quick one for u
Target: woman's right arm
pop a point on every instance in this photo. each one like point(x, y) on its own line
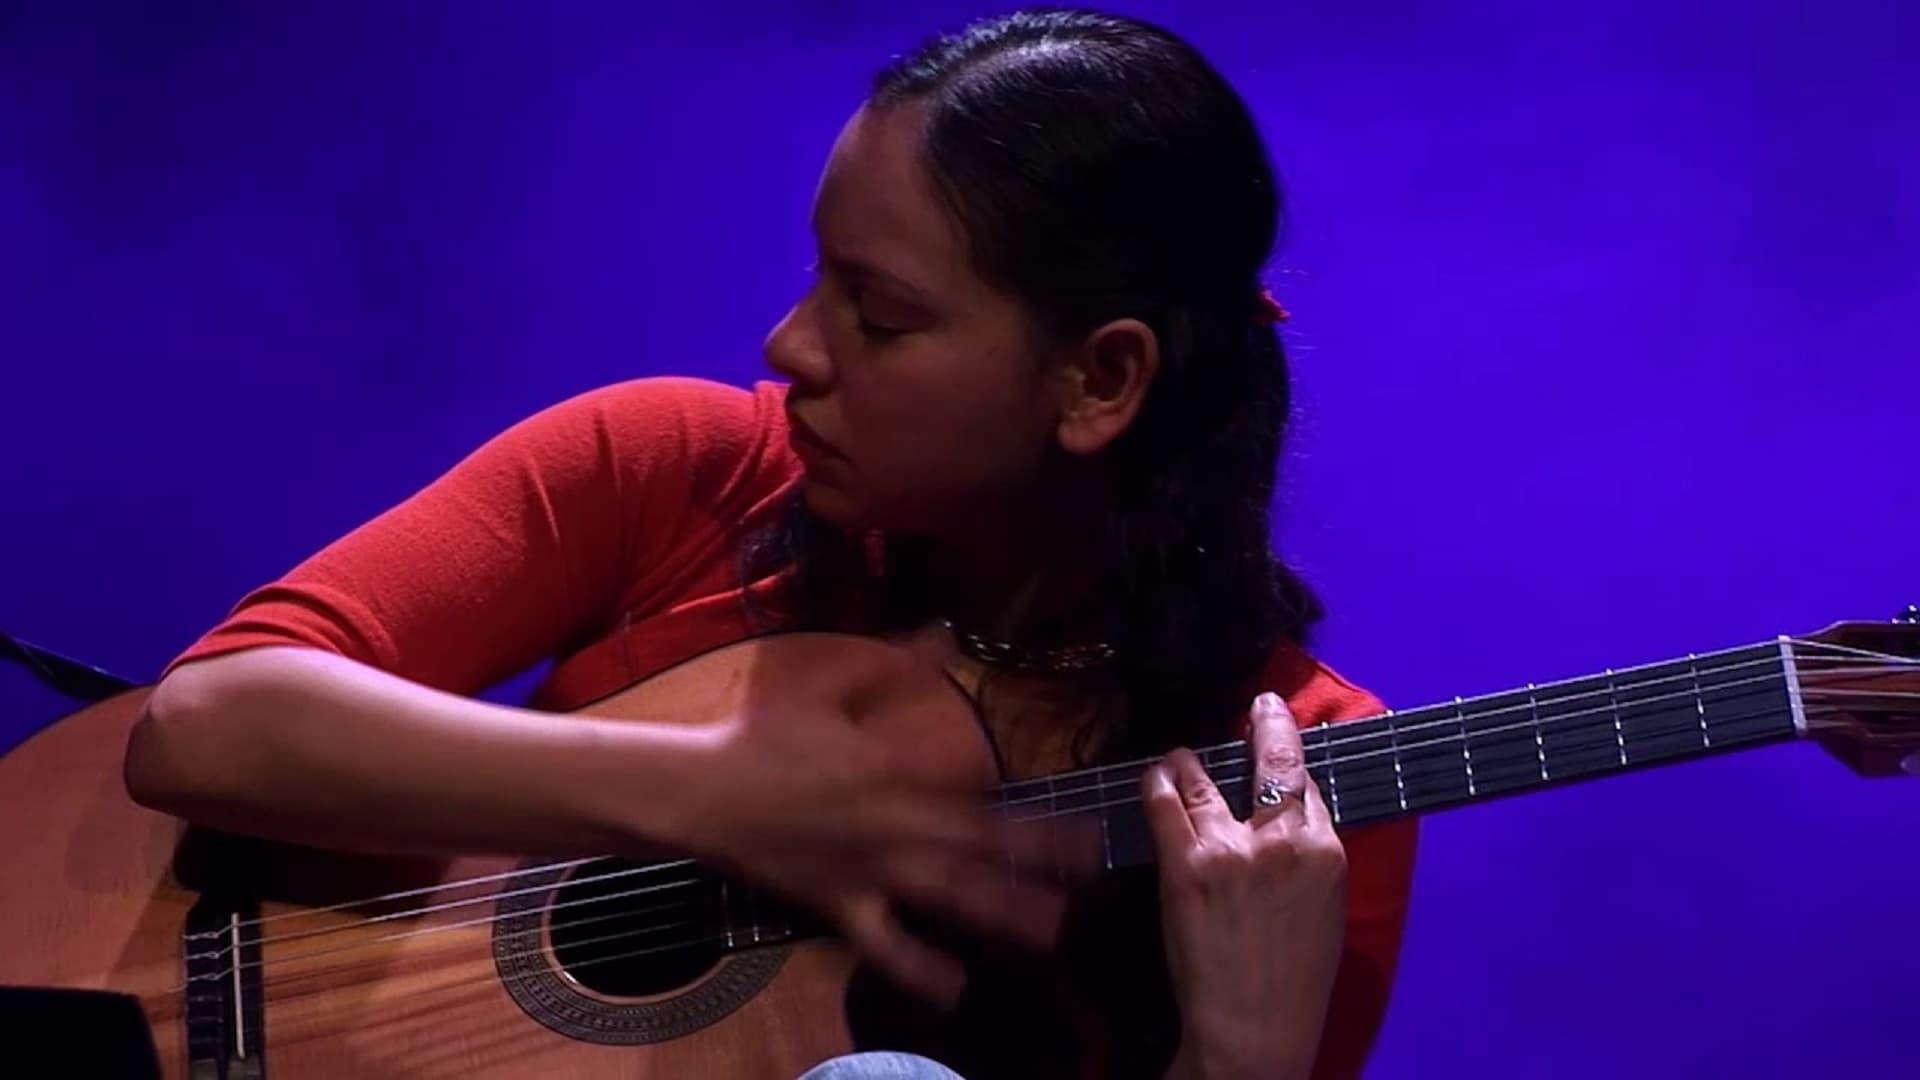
point(300, 745)
point(330, 707)
point(310, 747)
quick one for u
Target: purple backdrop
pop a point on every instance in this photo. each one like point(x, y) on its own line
point(1604, 332)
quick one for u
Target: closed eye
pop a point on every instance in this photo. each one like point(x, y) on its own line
point(876, 332)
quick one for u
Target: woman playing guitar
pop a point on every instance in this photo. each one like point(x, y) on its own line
point(1025, 440)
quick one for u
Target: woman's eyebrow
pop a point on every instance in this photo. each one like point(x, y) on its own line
point(866, 271)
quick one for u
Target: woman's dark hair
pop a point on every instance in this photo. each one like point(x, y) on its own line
point(1102, 169)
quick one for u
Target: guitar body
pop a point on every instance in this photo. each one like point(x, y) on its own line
point(101, 894)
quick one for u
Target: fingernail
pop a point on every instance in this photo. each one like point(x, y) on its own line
point(1268, 704)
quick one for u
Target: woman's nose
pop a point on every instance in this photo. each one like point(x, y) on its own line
point(796, 351)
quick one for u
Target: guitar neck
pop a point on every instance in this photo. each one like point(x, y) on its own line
point(1403, 763)
point(1473, 749)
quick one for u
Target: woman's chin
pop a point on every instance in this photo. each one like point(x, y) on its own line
point(834, 506)
point(853, 510)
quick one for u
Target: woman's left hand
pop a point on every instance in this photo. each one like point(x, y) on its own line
point(1253, 911)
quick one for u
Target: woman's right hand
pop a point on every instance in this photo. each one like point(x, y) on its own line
point(807, 800)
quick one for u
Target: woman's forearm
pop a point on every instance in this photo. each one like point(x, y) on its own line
point(299, 745)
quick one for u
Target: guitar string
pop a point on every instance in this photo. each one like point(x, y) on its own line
point(483, 879)
point(1325, 737)
point(687, 942)
point(1332, 737)
point(1227, 779)
point(1898, 695)
point(652, 927)
point(403, 935)
point(1098, 786)
point(1224, 781)
point(1851, 650)
point(1343, 733)
point(1099, 789)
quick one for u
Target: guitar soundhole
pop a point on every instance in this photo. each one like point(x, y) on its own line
point(622, 954)
point(618, 929)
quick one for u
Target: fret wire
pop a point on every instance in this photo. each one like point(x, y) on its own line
point(1539, 743)
point(1699, 701)
point(1333, 778)
point(1399, 777)
point(1619, 734)
point(1466, 747)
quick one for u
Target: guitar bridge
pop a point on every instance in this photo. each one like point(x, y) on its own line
point(225, 1003)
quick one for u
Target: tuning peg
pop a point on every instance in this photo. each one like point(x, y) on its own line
point(1911, 615)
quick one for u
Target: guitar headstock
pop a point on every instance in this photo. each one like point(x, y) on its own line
point(1860, 687)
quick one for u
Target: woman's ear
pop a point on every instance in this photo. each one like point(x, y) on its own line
point(1105, 383)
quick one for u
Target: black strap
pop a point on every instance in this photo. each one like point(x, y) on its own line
point(83, 682)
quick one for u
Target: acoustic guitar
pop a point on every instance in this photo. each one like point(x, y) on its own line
point(246, 959)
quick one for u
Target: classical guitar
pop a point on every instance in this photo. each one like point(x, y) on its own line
point(247, 959)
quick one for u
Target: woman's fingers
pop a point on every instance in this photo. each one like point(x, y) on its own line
point(1166, 815)
point(982, 894)
point(1032, 843)
point(1280, 782)
point(1318, 818)
point(1204, 806)
point(912, 963)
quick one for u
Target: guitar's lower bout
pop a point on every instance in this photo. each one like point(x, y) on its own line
point(575, 948)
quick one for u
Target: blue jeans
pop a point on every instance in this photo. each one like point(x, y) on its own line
point(880, 1065)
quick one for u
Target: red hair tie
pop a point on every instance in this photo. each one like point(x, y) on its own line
point(1268, 310)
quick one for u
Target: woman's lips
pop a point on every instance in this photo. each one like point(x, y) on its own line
point(807, 442)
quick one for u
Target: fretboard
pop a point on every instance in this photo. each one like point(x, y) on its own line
point(1472, 749)
point(1401, 763)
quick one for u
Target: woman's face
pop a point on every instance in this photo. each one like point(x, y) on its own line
point(921, 399)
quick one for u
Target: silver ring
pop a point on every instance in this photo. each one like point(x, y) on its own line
point(1274, 792)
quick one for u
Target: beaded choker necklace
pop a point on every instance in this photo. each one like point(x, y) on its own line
point(1065, 659)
